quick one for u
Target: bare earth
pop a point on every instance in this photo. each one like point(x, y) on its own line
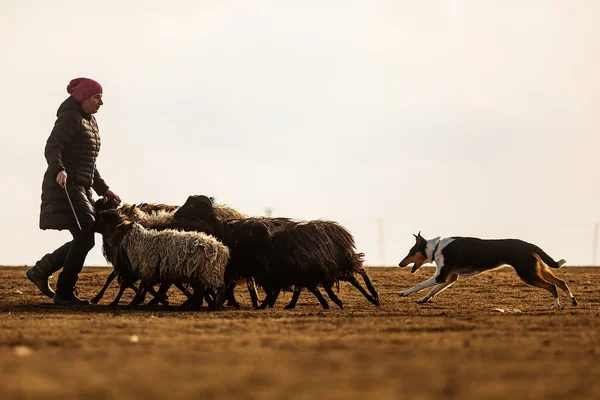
point(456, 347)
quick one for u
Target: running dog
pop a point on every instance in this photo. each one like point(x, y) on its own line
point(467, 256)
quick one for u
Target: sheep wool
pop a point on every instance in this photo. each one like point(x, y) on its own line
point(158, 218)
point(176, 255)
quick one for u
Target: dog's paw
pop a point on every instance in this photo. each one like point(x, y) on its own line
point(557, 307)
point(574, 301)
point(423, 300)
point(403, 294)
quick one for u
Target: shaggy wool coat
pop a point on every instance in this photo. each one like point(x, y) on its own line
point(72, 147)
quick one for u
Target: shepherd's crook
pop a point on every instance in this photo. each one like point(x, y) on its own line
point(72, 208)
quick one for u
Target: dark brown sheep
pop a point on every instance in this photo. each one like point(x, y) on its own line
point(280, 253)
point(310, 255)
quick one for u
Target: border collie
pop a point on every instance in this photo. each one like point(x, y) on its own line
point(467, 256)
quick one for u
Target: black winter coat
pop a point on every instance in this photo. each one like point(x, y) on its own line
point(73, 147)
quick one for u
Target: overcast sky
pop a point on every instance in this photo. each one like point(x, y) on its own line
point(451, 117)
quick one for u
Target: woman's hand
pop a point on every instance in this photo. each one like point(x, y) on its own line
point(113, 196)
point(61, 179)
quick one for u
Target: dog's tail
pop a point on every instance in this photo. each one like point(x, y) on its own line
point(549, 260)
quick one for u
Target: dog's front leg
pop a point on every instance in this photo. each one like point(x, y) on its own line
point(438, 288)
point(423, 285)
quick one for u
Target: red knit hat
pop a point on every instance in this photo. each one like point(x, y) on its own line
point(83, 88)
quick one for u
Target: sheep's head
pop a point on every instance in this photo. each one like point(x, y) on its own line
point(198, 206)
point(112, 226)
point(416, 254)
point(198, 213)
point(104, 203)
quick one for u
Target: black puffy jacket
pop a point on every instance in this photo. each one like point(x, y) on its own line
point(73, 147)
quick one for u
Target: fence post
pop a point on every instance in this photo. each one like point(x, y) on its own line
point(381, 242)
point(595, 249)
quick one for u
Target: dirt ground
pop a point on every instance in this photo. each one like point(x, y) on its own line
point(457, 347)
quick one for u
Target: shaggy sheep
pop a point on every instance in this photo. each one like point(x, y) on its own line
point(199, 209)
point(149, 214)
point(280, 253)
point(168, 255)
point(152, 216)
point(312, 254)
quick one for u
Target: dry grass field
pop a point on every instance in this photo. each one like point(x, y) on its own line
point(457, 347)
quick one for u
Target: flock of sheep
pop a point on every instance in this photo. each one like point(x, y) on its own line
point(205, 249)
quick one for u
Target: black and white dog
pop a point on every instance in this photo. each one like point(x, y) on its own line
point(467, 256)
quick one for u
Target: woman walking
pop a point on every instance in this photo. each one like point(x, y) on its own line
point(71, 152)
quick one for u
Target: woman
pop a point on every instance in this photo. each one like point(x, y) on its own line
point(71, 152)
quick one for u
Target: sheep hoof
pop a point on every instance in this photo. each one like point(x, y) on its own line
point(574, 301)
point(234, 304)
point(289, 307)
point(94, 301)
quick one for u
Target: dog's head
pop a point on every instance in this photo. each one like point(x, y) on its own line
point(416, 254)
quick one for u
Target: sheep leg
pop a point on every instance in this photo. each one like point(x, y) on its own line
point(219, 299)
point(357, 285)
point(188, 303)
point(269, 291)
point(162, 297)
point(319, 296)
point(140, 296)
point(133, 287)
point(334, 297)
point(209, 296)
point(197, 299)
point(100, 294)
point(370, 286)
point(253, 292)
point(265, 303)
point(270, 299)
point(229, 295)
point(162, 293)
point(295, 296)
point(183, 289)
point(115, 302)
point(274, 297)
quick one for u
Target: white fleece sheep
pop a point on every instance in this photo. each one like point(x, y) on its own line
point(155, 219)
point(176, 255)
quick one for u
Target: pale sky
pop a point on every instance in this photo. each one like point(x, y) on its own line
point(475, 118)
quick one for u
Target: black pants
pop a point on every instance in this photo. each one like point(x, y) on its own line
point(71, 257)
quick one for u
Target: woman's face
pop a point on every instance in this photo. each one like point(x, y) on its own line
point(92, 104)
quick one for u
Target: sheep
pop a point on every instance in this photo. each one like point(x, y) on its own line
point(149, 214)
point(168, 255)
point(280, 253)
point(311, 254)
point(199, 209)
point(152, 216)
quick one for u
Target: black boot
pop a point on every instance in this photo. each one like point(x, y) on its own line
point(69, 300)
point(65, 295)
point(39, 274)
